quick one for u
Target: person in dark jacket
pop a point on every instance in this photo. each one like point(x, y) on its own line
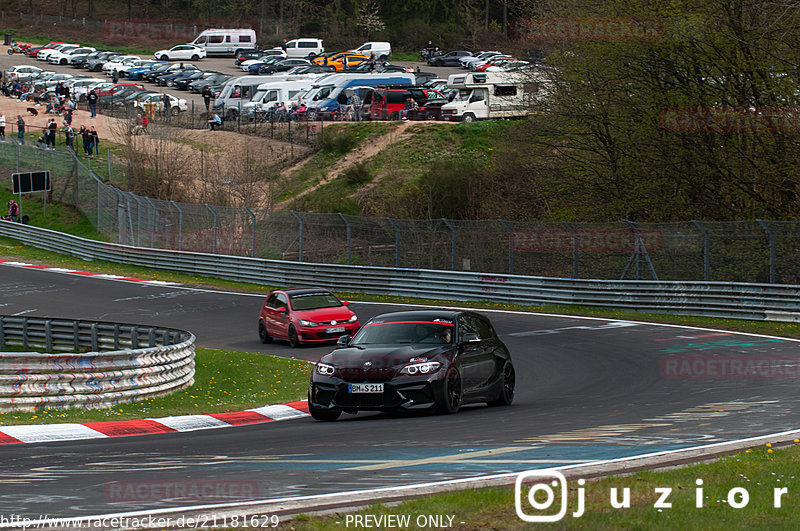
point(91, 99)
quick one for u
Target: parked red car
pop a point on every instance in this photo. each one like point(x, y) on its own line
point(386, 103)
point(305, 315)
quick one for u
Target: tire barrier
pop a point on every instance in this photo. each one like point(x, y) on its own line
point(61, 363)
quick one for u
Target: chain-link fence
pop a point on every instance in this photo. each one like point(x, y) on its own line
point(743, 251)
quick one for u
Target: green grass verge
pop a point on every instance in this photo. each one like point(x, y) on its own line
point(759, 471)
point(224, 381)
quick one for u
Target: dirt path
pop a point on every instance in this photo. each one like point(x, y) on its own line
point(362, 153)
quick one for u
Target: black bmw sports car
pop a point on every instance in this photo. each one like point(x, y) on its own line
point(435, 360)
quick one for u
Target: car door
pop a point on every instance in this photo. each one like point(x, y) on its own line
point(271, 314)
point(486, 363)
point(280, 319)
point(470, 350)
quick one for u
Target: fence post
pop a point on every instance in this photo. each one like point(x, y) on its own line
point(574, 234)
point(99, 203)
point(108, 163)
point(180, 225)
point(300, 243)
point(347, 224)
point(215, 227)
point(453, 243)
point(253, 220)
point(706, 249)
point(396, 242)
point(154, 209)
point(771, 250)
point(511, 244)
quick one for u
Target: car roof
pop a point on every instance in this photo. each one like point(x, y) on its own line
point(303, 291)
point(417, 315)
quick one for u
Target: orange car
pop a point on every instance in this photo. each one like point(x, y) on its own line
point(341, 60)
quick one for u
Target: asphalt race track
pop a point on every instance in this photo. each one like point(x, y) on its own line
point(587, 389)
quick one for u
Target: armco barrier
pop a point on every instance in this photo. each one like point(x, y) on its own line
point(89, 364)
point(714, 299)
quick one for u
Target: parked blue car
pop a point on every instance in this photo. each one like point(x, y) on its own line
point(139, 72)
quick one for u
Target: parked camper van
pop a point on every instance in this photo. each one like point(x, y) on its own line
point(240, 90)
point(226, 41)
point(321, 99)
point(268, 94)
point(494, 95)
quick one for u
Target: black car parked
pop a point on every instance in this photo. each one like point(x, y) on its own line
point(423, 360)
point(96, 64)
point(451, 58)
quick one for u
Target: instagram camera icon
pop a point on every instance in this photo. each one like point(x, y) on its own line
point(541, 495)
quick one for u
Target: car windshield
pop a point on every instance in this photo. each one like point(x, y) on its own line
point(313, 301)
point(393, 332)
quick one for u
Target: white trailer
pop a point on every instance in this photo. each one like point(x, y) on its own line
point(483, 96)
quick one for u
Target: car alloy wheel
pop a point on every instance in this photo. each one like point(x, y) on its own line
point(452, 392)
point(506, 395)
point(195, 57)
point(294, 341)
point(263, 335)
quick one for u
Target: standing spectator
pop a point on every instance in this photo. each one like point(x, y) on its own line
point(91, 99)
point(372, 61)
point(283, 45)
point(114, 76)
point(341, 99)
point(207, 96)
point(69, 136)
point(3, 126)
point(50, 137)
point(13, 211)
point(68, 116)
point(95, 141)
point(167, 103)
point(20, 129)
point(84, 134)
point(355, 103)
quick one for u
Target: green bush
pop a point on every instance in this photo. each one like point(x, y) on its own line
point(357, 174)
point(338, 140)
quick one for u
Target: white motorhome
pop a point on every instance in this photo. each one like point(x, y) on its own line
point(226, 41)
point(240, 90)
point(268, 94)
point(482, 96)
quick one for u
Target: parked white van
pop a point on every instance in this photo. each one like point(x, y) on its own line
point(382, 50)
point(268, 94)
point(240, 90)
point(303, 48)
point(226, 41)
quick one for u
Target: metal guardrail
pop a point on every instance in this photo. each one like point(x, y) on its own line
point(89, 364)
point(712, 299)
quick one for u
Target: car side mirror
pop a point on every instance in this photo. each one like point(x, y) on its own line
point(470, 337)
point(282, 309)
point(343, 341)
point(346, 303)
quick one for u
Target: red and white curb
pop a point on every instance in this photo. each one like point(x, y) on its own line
point(88, 273)
point(39, 433)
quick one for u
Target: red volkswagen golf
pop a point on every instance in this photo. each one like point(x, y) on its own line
point(305, 315)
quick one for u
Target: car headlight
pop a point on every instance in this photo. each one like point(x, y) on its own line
point(353, 319)
point(303, 322)
point(325, 369)
point(428, 367)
